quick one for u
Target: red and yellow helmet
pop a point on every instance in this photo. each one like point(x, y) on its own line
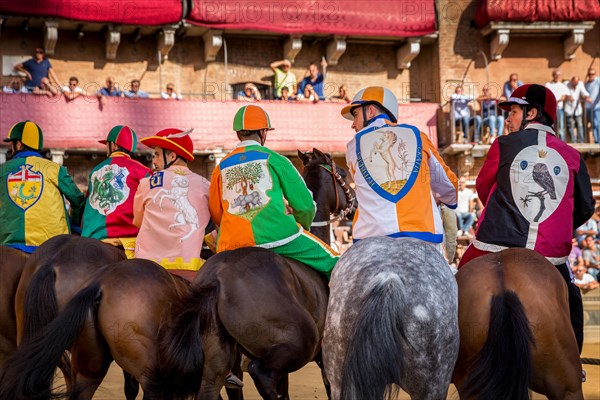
point(174, 140)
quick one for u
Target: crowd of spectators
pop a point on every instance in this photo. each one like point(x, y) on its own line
point(578, 109)
point(585, 254)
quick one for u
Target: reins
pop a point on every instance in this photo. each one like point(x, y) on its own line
point(337, 178)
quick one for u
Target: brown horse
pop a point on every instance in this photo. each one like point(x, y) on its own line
point(515, 331)
point(117, 316)
point(11, 265)
point(270, 308)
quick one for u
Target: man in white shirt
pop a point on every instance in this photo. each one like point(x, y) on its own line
point(573, 109)
point(464, 208)
point(561, 91)
point(592, 107)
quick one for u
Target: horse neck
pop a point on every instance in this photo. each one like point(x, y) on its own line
point(320, 183)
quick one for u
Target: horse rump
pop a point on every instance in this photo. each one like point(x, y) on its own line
point(28, 374)
point(374, 359)
point(502, 369)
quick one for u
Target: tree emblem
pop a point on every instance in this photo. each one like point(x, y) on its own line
point(243, 177)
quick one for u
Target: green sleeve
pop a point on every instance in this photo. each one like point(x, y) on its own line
point(69, 189)
point(294, 190)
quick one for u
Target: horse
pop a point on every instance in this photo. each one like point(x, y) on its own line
point(51, 277)
point(391, 321)
point(117, 316)
point(252, 300)
point(12, 262)
point(515, 329)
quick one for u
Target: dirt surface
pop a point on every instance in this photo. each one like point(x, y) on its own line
point(306, 384)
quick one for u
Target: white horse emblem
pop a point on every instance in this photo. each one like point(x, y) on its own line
point(186, 214)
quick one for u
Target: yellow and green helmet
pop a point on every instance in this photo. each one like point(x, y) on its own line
point(28, 133)
point(251, 118)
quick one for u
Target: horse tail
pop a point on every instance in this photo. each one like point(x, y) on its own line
point(181, 356)
point(28, 373)
point(374, 359)
point(503, 368)
point(40, 304)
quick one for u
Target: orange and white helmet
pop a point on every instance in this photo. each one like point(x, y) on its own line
point(379, 95)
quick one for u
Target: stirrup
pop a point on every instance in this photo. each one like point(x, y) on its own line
point(583, 375)
point(233, 382)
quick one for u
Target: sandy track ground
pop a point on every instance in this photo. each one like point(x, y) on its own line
point(306, 384)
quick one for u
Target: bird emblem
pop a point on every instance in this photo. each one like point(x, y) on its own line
point(542, 177)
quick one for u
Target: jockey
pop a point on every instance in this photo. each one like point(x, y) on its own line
point(108, 214)
point(248, 190)
point(171, 206)
point(535, 188)
point(32, 206)
point(398, 172)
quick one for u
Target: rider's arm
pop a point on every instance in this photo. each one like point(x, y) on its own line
point(214, 198)
point(69, 189)
point(487, 175)
point(443, 180)
point(583, 197)
point(294, 190)
point(138, 202)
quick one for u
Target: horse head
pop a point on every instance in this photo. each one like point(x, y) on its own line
point(330, 191)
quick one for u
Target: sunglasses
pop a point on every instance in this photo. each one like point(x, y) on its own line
point(169, 88)
point(39, 52)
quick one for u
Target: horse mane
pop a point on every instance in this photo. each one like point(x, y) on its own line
point(317, 157)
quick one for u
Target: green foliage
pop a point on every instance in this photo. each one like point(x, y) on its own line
point(250, 172)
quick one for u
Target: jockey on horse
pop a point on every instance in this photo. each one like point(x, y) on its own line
point(108, 214)
point(536, 190)
point(171, 206)
point(404, 206)
point(248, 190)
point(32, 193)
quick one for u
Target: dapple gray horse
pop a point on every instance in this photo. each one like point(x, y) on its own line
point(392, 318)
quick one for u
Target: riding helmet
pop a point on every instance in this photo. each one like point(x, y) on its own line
point(28, 133)
point(174, 140)
point(374, 95)
point(251, 118)
point(123, 136)
point(533, 94)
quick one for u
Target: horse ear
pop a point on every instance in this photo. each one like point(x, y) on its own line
point(305, 158)
point(319, 154)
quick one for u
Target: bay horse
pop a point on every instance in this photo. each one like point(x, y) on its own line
point(391, 321)
point(270, 308)
point(117, 316)
point(12, 262)
point(515, 329)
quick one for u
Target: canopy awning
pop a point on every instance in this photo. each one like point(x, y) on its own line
point(536, 10)
point(387, 18)
point(134, 12)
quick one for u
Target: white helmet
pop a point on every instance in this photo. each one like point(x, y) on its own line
point(374, 95)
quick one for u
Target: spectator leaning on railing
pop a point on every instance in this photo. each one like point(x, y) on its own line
point(573, 108)
point(72, 90)
point(38, 70)
point(170, 93)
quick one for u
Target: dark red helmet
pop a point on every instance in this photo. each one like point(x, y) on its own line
point(533, 94)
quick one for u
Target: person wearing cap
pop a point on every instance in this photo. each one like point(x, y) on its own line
point(248, 193)
point(171, 206)
point(535, 188)
point(108, 214)
point(32, 192)
point(284, 78)
point(398, 172)
point(249, 94)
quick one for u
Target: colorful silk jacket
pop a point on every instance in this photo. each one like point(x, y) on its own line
point(171, 210)
point(248, 190)
point(398, 175)
point(32, 207)
point(109, 204)
point(536, 190)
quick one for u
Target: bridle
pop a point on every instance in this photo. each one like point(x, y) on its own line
point(337, 178)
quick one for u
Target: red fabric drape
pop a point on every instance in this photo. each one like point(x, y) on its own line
point(536, 10)
point(341, 17)
point(135, 12)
